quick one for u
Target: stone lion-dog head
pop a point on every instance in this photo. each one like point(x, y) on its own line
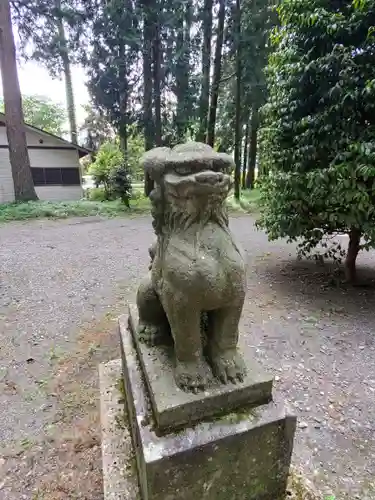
point(192, 182)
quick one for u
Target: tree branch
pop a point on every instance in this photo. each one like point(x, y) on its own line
point(226, 78)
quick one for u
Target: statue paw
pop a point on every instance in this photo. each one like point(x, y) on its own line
point(228, 366)
point(152, 335)
point(193, 376)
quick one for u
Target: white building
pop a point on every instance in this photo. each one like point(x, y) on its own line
point(54, 165)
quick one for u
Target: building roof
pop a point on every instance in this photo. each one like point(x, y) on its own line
point(81, 150)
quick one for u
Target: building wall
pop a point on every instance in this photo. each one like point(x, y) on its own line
point(6, 179)
point(59, 193)
point(45, 156)
point(54, 158)
point(34, 138)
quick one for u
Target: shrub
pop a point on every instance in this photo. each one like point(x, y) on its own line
point(137, 194)
point(120, 183)
point(97, 194)
point(108, 158)
point(318, 133)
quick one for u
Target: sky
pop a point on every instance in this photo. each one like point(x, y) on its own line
point(35, 80)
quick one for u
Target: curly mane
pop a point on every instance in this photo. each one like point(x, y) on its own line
point(169, 216)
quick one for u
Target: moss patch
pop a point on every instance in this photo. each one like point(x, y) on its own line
point(299, 488)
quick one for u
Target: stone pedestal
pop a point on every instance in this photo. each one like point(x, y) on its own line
point(235, 454)
point(173, 408)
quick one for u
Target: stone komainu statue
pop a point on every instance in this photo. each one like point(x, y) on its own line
point(197, 271)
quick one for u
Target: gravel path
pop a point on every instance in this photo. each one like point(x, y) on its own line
point(316, 337)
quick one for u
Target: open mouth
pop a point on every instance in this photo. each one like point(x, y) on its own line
point(213, 181)
point(204, 183)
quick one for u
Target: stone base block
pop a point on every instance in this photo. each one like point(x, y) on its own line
point(244, 455)
point(174, 408)
point(119, 469)
point(120, 480)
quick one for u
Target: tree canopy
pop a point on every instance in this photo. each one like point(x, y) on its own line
point(165, 66)
point(112, 62)
point(53, 33)
point(149, 64)
point(43, 113)
point(319, 130)
point(96, 128)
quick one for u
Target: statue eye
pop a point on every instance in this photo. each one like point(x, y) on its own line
point(183, 170)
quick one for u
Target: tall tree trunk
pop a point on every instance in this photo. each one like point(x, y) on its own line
point(183, 42)
point(180, 76)
point(351, 256)
point(250, 177)
point(245, 154)
point(238, 134)
point(147, 87)
point(123, 135)
point(187, 54)
point(123, 129)
point(67, 74)
point(217, 75)
point(123, 100)
point(18, 154)
point(204, 100)
point(156, 52)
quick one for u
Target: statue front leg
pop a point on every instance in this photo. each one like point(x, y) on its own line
point(153, 328)
point(225, 360)
point(191, 370)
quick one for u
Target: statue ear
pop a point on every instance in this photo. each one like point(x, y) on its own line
point(155, 195)
point(153, 162)
point(148, 189)
point(157, 212)
point(152, 250)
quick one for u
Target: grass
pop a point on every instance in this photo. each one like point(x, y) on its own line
point(248, 203)
point(84, 208)
point(63, 210)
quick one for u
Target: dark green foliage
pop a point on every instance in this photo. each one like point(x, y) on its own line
point(319, 130)
point(37, 27)
point(182, 68)
point(148, 64)
point(112, 76)
point(204, 98)
point(257, 19)
point(120, 182)
point(96, 128)
point(114, 171)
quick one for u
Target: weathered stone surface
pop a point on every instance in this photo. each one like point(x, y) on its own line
point(197, 269)
point(172, 407)
point(120, 480)
point(191, 156)
point(242, 456)
point(119, 471)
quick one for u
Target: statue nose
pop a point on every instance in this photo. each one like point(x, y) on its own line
point(209, 177)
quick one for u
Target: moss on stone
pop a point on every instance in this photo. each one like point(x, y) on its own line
point(121, 420)
point(299, 488)
point(234, 417)
point(120, 386)
point(238, 416)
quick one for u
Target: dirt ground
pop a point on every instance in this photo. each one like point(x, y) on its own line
point(62, 285)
